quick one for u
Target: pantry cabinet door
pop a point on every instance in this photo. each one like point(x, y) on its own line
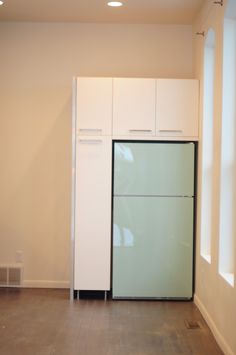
point(93, 213)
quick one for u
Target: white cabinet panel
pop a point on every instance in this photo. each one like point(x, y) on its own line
point(93, 213)
point(134, 106)
point(94, 106)
point(177, 107)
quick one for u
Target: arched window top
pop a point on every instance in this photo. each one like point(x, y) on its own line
point(210, 39)
point(230, 12)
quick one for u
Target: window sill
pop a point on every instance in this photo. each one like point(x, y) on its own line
point(206, 257)
point(229, 277)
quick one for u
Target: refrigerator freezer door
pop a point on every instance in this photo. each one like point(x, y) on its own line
point(152, 247)
point(163, 169)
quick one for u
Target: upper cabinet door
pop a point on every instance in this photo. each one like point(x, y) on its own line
point(94, 106)
point(134, 106)
point(177, 107)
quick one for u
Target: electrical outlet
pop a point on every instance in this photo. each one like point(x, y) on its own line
point(19, 256)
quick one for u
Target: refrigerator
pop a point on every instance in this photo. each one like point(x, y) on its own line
point(153, 220)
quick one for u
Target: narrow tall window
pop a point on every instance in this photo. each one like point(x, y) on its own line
point(207, 145)
point(228, 148)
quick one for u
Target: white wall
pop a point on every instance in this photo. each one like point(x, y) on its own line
point(214, 296)
point(36, 68)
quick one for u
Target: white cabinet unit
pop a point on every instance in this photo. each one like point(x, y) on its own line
point(177, 108)
point(119, 108)
point(93, 213)
point(94, 106)
point(134, 107)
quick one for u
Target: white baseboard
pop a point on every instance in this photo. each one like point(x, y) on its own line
point(45, 284)
point(218, 336)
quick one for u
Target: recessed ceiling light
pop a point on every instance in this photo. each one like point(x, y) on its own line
point(114, 3)
point(1, 2)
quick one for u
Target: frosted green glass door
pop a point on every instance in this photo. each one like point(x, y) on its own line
point(152, 247)
point(151, 168)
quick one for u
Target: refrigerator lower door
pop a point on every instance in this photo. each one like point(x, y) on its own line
point(152, 247)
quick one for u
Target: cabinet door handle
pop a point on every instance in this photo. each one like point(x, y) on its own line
point(171, 130)
point(140, 130)
point(90, 130)
point(90, 141)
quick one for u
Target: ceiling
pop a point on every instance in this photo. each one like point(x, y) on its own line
point(97, 11)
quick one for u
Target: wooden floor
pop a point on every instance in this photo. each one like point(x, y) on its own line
point(44, 322)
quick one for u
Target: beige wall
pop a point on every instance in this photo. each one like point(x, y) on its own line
point(214, 296)
point(36, 68)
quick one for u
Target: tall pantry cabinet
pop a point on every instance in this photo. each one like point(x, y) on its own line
point(108, 110)
point(93, 184)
